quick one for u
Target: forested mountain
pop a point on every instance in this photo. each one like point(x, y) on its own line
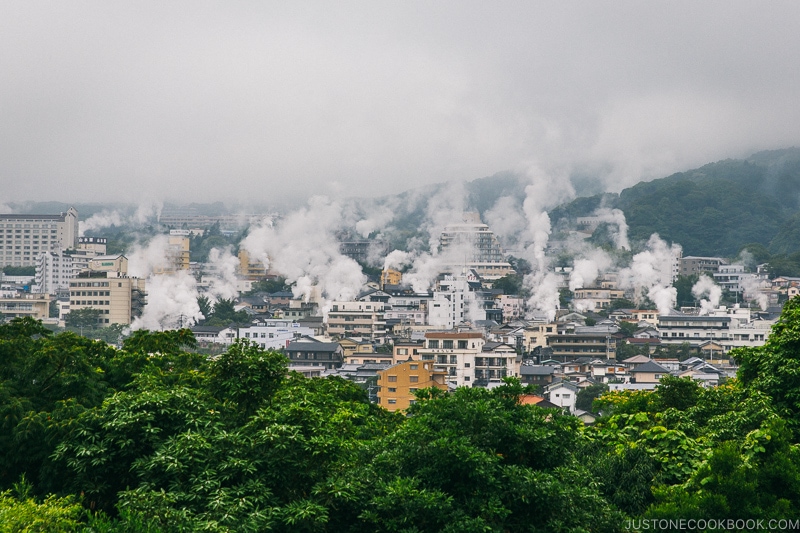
point(718, 208)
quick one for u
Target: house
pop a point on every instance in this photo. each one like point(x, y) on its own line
point(214, 335)
point(405, 350)
point(537, 374)
point(563, 394)
point(310, 352)
point(650, 372)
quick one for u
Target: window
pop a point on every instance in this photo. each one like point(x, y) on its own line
point(413, 367)
point(453, 359)
point(462, 345)
point(412, 390)
point(447, 345)
point(392, 401)
point(413, 379)
point(433, 344)
point(392, 379)
point(466, 365)
point(392, 389)
point(466, 378)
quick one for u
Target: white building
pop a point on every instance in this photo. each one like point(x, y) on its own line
point(275, 333)
point(473, 245)
point(24, 237)
point(53, 271)
point(454, 353)
point(454, 303)
point(729, 327)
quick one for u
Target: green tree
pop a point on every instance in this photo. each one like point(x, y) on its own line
point(509, 284)
point(247, 375)
point(87, 318)
point(587, 395)
point(475, 460)
point(772, 368)
point(684, 285)
point(205, 306)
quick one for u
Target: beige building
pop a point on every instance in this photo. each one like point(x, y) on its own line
point(14, 305)
point(177, 253)
point(107, 288)
point(537, 334)
point(356, 319)
point(601, 298)
point(24, 237)
point(398, 384)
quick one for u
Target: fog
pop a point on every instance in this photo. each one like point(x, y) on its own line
point(198, 101)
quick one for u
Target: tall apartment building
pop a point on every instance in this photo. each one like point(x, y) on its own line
point(107, 288)
point(454, 353)
point(472, 245)
point(455, 302)
point(54, 269)
point(24, 237)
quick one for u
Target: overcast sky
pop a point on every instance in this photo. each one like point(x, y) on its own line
point(199, 101)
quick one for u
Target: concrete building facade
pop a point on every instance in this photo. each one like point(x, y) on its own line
point(24, 237)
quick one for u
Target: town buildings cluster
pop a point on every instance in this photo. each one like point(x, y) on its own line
point(395, 341)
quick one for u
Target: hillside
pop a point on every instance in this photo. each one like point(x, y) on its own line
point(716, 209)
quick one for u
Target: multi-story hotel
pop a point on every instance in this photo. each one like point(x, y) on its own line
point(107, 288)
point(472, 245)
point(24, 237)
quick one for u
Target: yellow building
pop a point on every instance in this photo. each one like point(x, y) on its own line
point(397, 384)
point(390, 276)
point(178, 253)
point(248, 269)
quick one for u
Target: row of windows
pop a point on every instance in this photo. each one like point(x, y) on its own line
point(19, 225)
point(90, 284)
point(411, 379)
point(91, 293)
point(448, 345)
point(255, 335)
point(90, 302)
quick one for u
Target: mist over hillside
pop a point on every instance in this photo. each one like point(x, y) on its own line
point(713, 210)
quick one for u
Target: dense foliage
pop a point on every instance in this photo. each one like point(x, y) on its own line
point(155, 437)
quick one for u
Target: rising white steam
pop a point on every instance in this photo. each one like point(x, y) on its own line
point(144, 259)
point(397, 259)
point(146, 213)
point(650, 274)
point(619, 227)
point(303, 248)
point(705, 286)
point(586, 270)
point(222, 277)
point(171, 302)
point(375, 220)
point(545, 191)
point(506, 219)
point(753, 290)
point(103, 219)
